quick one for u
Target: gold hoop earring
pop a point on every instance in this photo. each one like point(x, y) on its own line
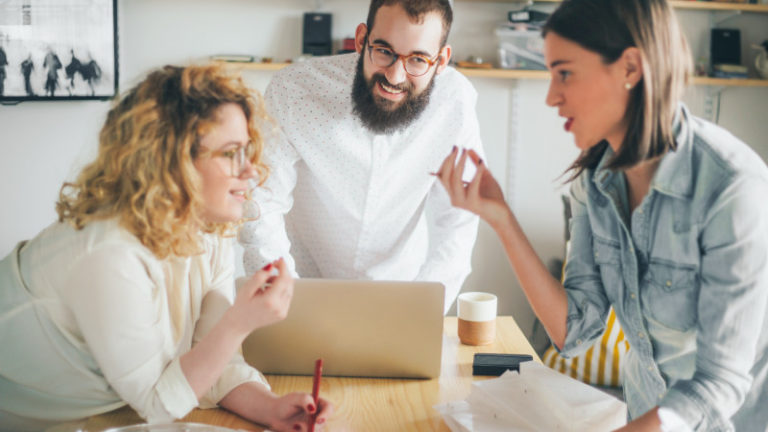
point(628, 86)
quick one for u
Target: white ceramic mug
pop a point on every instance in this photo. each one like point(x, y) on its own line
point(477, 318)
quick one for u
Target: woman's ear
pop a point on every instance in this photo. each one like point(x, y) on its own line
point(633, 65)
point(360, 33)
point(444, 58)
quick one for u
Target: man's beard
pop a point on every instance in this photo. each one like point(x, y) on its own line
point(371, 110)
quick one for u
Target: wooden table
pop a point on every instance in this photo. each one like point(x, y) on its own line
point(369, 404)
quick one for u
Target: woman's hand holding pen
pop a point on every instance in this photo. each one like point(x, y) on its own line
point(290, 412)
point(263, 299)
point(482, 196)
point(295, 411)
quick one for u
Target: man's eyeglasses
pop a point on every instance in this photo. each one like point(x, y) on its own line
point(239, 158)
point(414, 64)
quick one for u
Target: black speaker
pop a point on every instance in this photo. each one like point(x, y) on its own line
point(725, 46)
point(317, 34)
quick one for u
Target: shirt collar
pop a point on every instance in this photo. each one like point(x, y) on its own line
point(675, 175)
point(603, 176)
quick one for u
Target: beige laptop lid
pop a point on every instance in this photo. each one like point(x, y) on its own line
point(358, 328)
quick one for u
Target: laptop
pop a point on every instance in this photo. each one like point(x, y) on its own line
point(366, 328)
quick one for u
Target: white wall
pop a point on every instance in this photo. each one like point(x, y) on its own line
point(45, 143)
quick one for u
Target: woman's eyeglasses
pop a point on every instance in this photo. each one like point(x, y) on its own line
point(239, 158)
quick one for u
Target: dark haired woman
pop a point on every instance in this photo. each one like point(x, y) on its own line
point(669, 226)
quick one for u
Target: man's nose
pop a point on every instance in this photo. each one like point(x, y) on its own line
point(396, 73)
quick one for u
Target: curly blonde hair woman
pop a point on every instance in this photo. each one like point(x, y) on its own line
point(144, 173)
point(129, 297)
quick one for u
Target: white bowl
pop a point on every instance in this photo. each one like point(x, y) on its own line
point(171, 427)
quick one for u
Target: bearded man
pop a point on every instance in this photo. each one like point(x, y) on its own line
point(351, 195)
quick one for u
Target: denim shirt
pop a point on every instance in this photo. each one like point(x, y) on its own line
point(687, 274)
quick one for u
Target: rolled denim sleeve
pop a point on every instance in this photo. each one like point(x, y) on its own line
point(587, 302)
point(731, 307)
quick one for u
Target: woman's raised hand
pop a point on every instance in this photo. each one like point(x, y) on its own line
point(264, 298)
point(482, 196)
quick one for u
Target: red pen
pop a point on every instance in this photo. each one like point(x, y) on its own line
point(316, 390)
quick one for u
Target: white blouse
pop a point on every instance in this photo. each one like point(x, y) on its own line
point(86, 325)
point(346, 203)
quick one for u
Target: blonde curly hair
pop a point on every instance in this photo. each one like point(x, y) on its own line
point(144, 173)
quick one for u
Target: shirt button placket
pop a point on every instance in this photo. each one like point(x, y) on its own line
point(372, 197)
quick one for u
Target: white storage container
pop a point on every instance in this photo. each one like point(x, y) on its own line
point(520, 48)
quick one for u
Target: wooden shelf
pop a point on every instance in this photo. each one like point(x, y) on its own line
point(719, 6)
point(524, 74)
point(698, 5)
point(544, 75)
point(255, 66)
point(750, 82)
point(504, 73)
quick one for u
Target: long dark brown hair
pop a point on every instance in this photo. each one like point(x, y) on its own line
point(608, 27)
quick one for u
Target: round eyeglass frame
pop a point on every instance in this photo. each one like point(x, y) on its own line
point(402, 57)
point(238, 157)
